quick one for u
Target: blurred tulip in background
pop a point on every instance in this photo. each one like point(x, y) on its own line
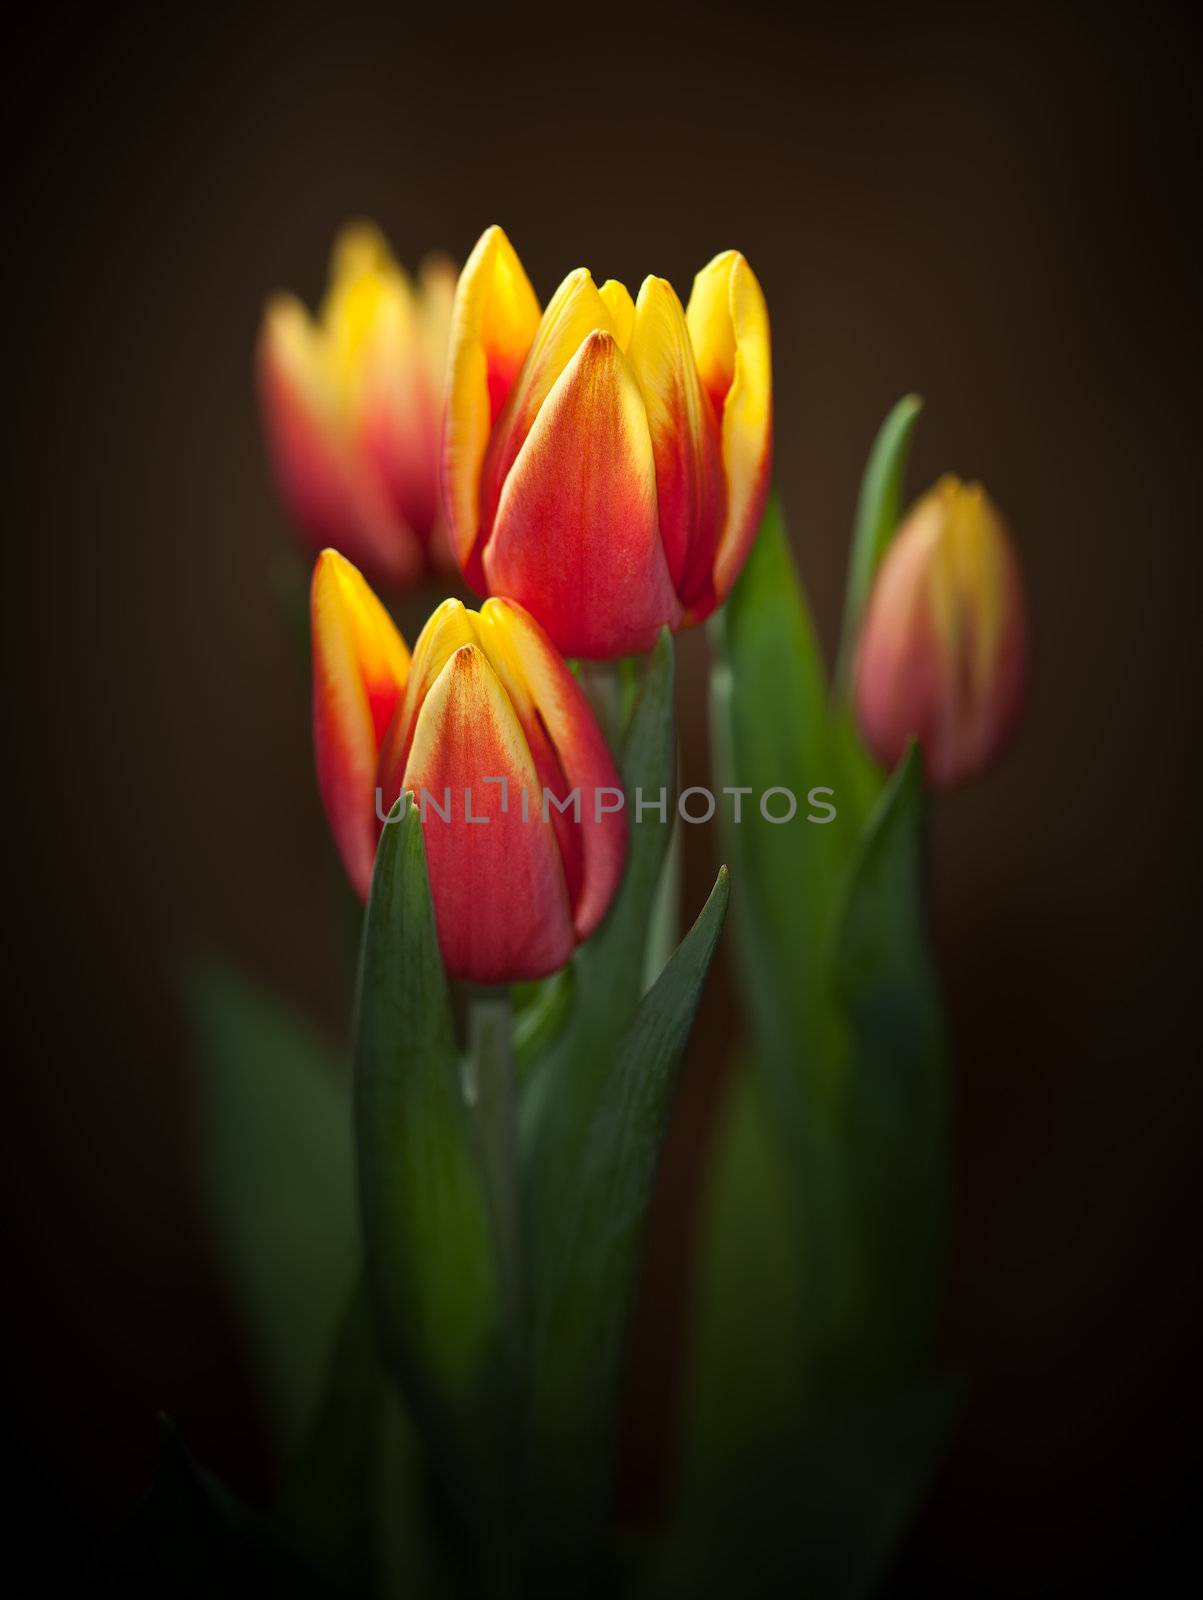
point(352, 405)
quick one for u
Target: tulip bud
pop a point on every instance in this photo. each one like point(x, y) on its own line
point(606, 461)
point(352, 407)
point(520, 802)
point(943, 651)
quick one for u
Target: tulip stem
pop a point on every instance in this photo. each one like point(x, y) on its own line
point(602, 682)
point(489, 1087)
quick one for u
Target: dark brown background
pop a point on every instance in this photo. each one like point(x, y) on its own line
point(984, 207)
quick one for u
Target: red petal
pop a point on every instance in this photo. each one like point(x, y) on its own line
point(556, 715)
point(359, 669)
point(492, 324)
point(576, 540)
point(498, 885)
point(329, 481)
point(690, 482)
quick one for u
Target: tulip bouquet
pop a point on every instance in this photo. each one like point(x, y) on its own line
point(437, 1248)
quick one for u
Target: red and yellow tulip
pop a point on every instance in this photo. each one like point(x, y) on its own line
point(606, 461)
point(352, 407)
point(943, 650)
point(481, 726)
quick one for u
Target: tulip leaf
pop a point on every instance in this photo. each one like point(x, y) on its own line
point(745, 1376)
point(809, 900)
point(877, 514)
point(771, 730)
point(898, 1093)
point(611, 964)
point(607, 972)
point(589, 1193)
point(664, 925)
point(277, 1165)
point(191, 1536)
point(567, 1102)
point(837, 1138)
point(429, 1240)
point(817, 1509)
point(352, 1505)
point(814, 1385)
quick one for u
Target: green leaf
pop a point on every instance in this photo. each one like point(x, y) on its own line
point(837, 1144)
point(745, 1378)
point(877, 513)
point(664, 925)
point(607, 972)
point(191, 1536)
point(610, 965)
point(589, 1193)
point(898, 1105)
point(566, 1090)
point(276, 1166)
point(787, 1487)
point(771, 730)
point(808, 901)
point(353, 1504)
point(428, 1231)
point(817, 1511)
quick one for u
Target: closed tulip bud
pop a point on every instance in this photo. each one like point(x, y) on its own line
point(520, 802)
point(352, 407)
point(943, 650)
point(606, 461)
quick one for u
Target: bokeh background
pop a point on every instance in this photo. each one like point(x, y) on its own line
point(987, 206)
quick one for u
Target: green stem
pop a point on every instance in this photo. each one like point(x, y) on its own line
point(610, 687)
point(489, 1088)
point(603, 684)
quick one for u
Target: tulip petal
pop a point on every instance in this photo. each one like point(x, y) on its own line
point(621, 307)
point(898, 670)
point(498, 885)
point(574, 312)
point(553, 709)
point(317, 463)
point(493, 322)
point(729, 325)
point(978, 615)
point(360, 665)
point(943, 650)
point(386, 365)
point(369, 294)
point(448, 627)
point(690, 482)
point(437, 278)
point(353, 404)
point(576, 539)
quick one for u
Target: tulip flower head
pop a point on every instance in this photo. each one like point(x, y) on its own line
point(943, 650)
point(352, 407)
point(520, 802)
point(606, 461)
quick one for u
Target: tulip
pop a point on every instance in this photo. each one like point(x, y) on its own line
point(352, 407)
point(520, 802)
point(606, 463)
point(942, 655)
